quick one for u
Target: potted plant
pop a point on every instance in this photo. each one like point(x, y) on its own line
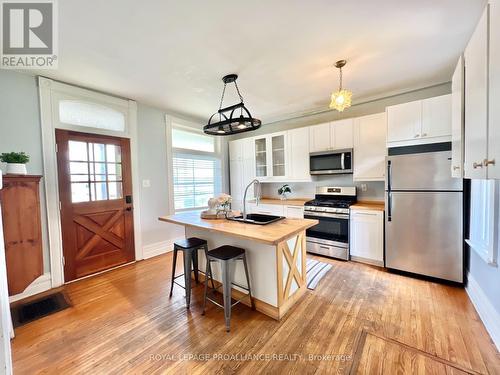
point(16, 162)
point(284, 190)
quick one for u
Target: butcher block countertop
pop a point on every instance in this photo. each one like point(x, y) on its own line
point(271, 234)
point(369, 205)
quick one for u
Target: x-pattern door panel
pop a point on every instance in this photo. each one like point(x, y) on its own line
point(94, 183)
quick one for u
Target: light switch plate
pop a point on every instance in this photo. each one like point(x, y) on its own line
point(364, 187)
point(146, 183)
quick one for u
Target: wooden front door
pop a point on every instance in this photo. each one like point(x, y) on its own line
point(95, 189)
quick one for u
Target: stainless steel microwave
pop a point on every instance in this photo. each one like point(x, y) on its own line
point(331, 162)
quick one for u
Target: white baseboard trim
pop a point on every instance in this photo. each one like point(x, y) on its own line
point(158, 248)
point(489, 316)
point(40, 285)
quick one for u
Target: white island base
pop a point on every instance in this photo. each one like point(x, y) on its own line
point(277, 272)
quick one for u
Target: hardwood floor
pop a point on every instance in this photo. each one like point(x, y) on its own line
point(358, 317)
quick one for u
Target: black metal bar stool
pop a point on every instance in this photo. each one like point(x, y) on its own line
point(225, 255)
point(189, 247)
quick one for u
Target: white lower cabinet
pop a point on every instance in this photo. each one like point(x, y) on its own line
point(367, 236)
point(278, 209)
point(294, 212)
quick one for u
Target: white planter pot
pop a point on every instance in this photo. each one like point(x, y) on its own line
point(16, 168)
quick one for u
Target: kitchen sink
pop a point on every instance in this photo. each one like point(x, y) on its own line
point(257, 219)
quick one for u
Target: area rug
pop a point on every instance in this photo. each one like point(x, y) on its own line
point(315, 271)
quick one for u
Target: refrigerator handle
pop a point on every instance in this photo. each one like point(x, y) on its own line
point(389, 176)
point(389, 206)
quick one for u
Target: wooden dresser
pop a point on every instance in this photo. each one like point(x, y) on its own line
point(20, 198)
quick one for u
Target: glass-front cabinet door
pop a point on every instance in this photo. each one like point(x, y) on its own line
point(270, 156)
point(278, 155)
point(261, 157)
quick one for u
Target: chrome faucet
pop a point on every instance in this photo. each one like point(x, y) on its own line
point(257, 198)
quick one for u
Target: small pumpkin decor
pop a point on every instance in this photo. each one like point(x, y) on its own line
point(284, 190)
point(16, 162)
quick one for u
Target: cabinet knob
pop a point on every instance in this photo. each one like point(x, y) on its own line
point(424, 135)
point(477, 165)
point(416, 136)
point(487, 162)
point(456, 167)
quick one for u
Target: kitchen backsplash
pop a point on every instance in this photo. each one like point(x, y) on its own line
point(374, 190)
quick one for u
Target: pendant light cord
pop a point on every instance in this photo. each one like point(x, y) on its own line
point(340, 88)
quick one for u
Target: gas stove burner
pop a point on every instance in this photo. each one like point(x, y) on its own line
point(330, 203)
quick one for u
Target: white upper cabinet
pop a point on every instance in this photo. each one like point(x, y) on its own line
point(457, 120)
point(494, 92)
point(341, 134)
point(419, 122)
point(476, 100)
point(298, 151)
point(404, 121)
point(271, 156)
point(319, 137)
point(370, 147)
point(436, 117)
point(334, 135)
point(241, 169)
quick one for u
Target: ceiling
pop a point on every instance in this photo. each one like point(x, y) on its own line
point(172, 54)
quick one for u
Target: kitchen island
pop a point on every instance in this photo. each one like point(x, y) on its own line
point(276, 255)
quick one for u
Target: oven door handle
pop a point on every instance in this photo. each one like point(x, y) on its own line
point(342, 161)
point(327, 215)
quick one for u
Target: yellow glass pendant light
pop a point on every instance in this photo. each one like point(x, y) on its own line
point(342, 98)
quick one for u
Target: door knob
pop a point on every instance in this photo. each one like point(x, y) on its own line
point(487, 162)
point(477, 165)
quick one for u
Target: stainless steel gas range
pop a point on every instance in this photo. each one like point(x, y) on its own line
point(330, 236)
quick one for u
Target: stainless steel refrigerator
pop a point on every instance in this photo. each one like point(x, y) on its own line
point(424, 215)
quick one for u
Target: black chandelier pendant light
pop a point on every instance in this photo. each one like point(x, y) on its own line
point(233, 119)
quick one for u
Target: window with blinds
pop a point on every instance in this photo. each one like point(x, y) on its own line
point(197, 174)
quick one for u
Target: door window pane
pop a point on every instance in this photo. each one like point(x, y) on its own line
point(79, 192)
point(98, 191)
point(78, 151)
point(115, 190)
point(97, 151)
point(113, 153)
point(78, 168)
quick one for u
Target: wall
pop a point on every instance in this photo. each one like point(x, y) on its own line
point(153, 167)
point(20, 131)
point(360, 109)
point(375, 190)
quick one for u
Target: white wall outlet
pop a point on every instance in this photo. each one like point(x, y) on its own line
point(364, 187)
point(146, 183)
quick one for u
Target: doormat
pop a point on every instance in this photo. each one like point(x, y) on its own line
point(315, 271)
point(30, 311)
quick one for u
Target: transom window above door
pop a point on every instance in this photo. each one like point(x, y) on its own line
point(95, 171)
